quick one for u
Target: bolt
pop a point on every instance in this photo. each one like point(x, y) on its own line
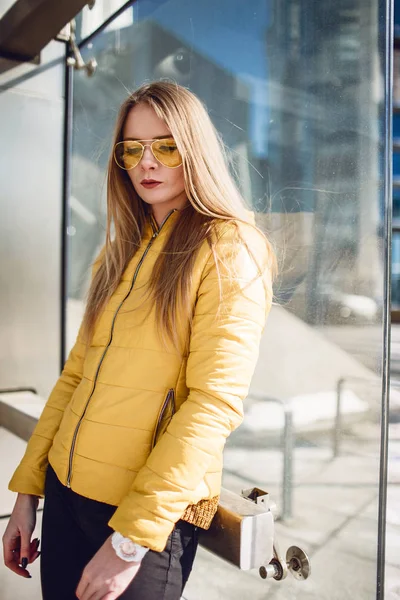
point(295, 564)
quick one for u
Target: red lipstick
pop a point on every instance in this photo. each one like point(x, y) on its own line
point(149, 183)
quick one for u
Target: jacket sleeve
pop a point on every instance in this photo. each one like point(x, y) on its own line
point(228, 322)
point(30, 474)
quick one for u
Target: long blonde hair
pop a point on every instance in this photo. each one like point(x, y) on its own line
point(213, 198)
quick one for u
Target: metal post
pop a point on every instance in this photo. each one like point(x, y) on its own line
point(338, 419)
point(287, 479)
point(287, 449)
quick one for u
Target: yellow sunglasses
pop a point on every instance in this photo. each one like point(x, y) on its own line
point(129, 153)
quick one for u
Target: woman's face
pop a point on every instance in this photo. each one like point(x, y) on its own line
point(142, 123)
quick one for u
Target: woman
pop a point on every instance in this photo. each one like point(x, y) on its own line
point(128, 450)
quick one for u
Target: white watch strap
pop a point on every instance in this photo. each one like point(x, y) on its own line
point(126, 549)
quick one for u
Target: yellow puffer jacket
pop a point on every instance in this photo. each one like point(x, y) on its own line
point(119, 396)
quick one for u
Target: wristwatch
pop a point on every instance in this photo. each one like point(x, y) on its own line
point(126, 549)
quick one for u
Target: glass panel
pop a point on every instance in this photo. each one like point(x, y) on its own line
point(296, 89)
point(94, 14)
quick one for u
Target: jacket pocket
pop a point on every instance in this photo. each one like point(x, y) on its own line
point(165, 415)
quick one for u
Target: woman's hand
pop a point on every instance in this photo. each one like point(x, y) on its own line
point(106, 576)
point(18, 549)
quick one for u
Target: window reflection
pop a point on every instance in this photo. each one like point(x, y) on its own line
point(280, 82)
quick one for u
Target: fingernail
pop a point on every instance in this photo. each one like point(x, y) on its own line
point(24, 563)
point(37, 544)
point(29, 576)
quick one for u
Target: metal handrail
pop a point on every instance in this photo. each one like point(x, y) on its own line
point(18, 389)
point(22, 425)
point(338, 415)
point(287, 432)
point(14, 420)
point(288, 437)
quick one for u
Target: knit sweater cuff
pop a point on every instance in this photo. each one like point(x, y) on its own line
point(202, 513)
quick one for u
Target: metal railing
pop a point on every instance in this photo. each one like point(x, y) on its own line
point(287, 449)
point(22, 425)
point(288, 439)
point(336, 432)
point(14, 420)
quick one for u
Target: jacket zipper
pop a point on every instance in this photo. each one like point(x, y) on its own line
point(171, 394)
point(71, 454)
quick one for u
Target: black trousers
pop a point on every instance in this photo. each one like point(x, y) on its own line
point(74, 528)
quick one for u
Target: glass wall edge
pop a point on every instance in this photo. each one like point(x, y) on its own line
point(106, 23)
point(388, 9)
point(66, 192)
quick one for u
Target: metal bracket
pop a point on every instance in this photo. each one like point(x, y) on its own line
point(258, 496)
point(261, 498)
point(77, 61)
point(296, 562)
point(65, 34)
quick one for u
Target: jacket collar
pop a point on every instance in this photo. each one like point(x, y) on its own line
point(167, 222)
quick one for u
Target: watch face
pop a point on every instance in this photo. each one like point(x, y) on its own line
point(128, 548)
